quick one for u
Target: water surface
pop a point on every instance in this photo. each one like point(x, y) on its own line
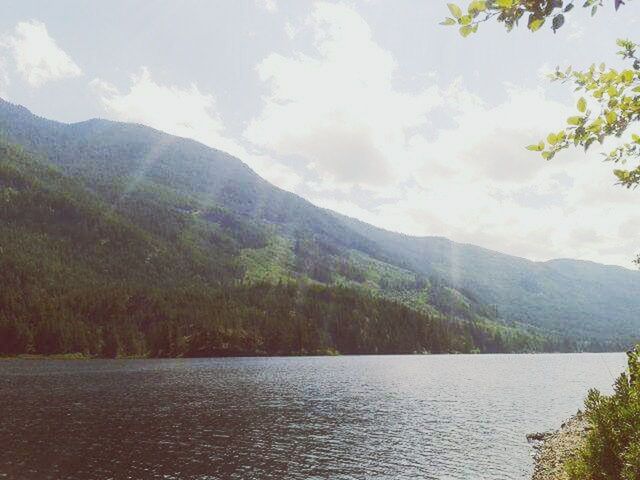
point(397, 417)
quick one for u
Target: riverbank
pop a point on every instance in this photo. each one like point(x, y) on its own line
point(322, 353)
point(56, 356)
point(65, 356)
point(554, 449)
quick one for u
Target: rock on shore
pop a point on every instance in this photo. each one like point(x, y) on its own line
point(553, 449)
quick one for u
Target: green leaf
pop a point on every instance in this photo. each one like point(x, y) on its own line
point(627, 76)
point(448, 21)
point(536, 147)
point(635, 137)
point(557, 22)
point(465, 30)
point(465, 20)
point(582, 105)
point(477, 6)
point(574, 120)
point(624, 176)
point(455, 10)
point(535, 24)
point(504, 3)
point(611, 117)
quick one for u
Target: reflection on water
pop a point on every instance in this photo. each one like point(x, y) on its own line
point(432, 417)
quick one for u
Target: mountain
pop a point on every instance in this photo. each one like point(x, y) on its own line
point(79, 274)
point(574, 297)
point(134, 206)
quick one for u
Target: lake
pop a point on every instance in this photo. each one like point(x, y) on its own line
point(395, 417)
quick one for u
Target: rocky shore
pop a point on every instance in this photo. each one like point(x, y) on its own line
point(553, 449)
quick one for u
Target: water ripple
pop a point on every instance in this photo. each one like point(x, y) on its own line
point(395, 417)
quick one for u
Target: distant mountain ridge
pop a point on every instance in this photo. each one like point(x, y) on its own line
point(266, 234)
point(562, 295)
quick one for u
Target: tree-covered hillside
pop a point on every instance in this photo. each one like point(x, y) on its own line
point(143, 208)
point(135, 277)
point(571, 297)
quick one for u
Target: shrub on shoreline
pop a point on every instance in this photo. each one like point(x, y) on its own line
point(612, 447)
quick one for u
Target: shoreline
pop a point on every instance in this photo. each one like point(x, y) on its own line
point(553, 449)
point(83, 356)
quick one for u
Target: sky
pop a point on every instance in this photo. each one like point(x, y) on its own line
point(369, 108)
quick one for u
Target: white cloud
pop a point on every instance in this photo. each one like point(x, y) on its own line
point(269, 5)
point(185, 112)
point(338, 110)
point(290, 30)
point(576, 32)
point(38, 58)
point(4, 77)
point(469, 177)
point(437, 161)
point(476, 183)
point(489, 141)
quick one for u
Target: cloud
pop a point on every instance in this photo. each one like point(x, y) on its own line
point(4, 77)
point(269, 5)
point(337, 110)
point(185, 112)
point(476, 183)
point(38, 58)
point(439, 160)
point(489, 141)
point(290, 30)
point(576, 32)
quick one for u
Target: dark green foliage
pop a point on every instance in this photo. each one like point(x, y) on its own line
point(258, 319)
point(612, 448)
point(109, 343)
point(245, 233)
point(314, 258)
point(15, 336)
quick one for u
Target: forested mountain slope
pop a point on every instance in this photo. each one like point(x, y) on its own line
point(570, 296)
point(208, 218)
point(79, 274)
